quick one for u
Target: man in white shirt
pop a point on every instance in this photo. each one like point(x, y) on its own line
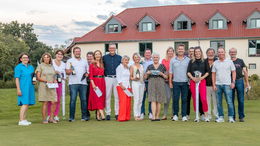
point(76, 68)
point(222, 83)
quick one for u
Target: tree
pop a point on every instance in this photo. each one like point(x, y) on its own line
point(10, 48)
point(14, 39)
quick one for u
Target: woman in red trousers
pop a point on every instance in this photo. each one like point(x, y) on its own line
point(198, 64)
point(123, 80)
point(97, 81)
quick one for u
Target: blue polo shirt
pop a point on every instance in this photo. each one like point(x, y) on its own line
point(111, 63)
point(179, 69)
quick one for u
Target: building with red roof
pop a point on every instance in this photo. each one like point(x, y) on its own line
point(206, 25)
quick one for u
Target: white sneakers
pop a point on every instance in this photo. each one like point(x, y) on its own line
point(150, 116)
point(56, 118)
point(197, 120)
point(231, 120)
point(175, 118)
point(184, 119)
point(220, 120)
point(24, 123)
point(142, 116)
point(207, 119)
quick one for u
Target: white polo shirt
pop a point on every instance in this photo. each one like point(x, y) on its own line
point(81, 67)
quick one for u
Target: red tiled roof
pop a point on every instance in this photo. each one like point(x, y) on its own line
point(217, 11)
point(117, 18)
point(199, 13)
point(156, 21)
point(181, 12)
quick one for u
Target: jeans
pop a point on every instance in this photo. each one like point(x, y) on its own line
point(180, 89)
point(74, 90)
point(226, 89)
point(239, 87)
point(87, 96)
point(143, 102)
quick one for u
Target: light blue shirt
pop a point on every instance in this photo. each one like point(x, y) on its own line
point(146, 63)
point(179, 69)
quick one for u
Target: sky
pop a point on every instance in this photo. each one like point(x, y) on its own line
point(57, 21)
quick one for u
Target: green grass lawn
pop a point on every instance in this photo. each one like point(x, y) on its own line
point(123, 133)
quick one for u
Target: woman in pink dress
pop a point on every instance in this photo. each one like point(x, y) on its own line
point(97, 81)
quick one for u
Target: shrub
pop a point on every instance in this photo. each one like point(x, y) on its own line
point(7, 84)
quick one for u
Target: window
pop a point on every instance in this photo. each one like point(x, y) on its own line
point(147, 26)
point(218, 24)
point(107, 46)
point(252, 66)
point(143, 47)
point(255, 23)
point(216, 44)
point(176, 44)
point(113, 28)
point(182, 25)
point(254, 48)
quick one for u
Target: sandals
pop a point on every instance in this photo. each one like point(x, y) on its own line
point(45, 122)
point(53, 121)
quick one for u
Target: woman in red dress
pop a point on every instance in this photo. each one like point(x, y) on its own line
point(96, 76)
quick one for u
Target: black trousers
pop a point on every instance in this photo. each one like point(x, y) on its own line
point(188, 103)
point(88, 86)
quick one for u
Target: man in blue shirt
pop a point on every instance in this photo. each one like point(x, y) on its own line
point(147, 61)
point(111, 61)
point(178, 74)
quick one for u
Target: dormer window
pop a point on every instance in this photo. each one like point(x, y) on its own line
point(147, 24)
point(182, 25)
point(113, 28)
point(114, 25)
point(218, 21)
point(253, 21)
point(182, 22)
point(218, 24)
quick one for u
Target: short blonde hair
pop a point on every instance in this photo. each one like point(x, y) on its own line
point(136, 54)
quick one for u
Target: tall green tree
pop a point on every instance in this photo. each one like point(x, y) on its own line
point(16, 38)
point(10, 48)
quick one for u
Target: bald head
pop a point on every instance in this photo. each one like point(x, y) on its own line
point(233, 53)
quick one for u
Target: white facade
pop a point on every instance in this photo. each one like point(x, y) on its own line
point(128, 48)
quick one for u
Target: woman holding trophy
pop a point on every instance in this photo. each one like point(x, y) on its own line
point(156, 75)
point(136, 76)
point(197, 72)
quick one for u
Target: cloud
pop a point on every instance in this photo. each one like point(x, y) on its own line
point(35, 12)
point(140, 3)
point(54, 34)
point(148, 3)
point(85, 23)
point(108, 2)
point(102, 17)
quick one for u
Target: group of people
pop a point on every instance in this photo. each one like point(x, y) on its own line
point(160, 80)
